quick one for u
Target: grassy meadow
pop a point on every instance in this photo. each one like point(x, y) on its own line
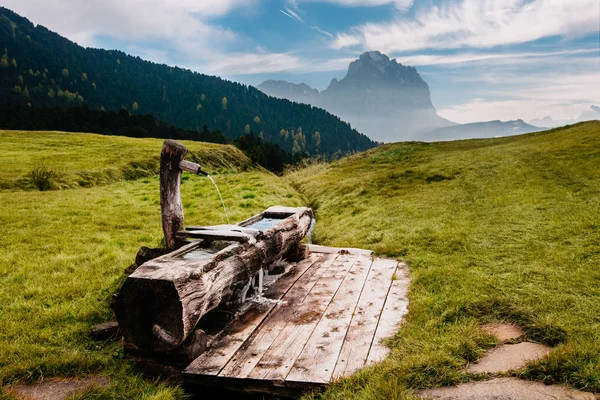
point(501, 229)
point(74, 160)
point(63, 252)
point(493, 230)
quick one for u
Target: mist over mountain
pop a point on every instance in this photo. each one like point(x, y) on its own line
point(298, 92)
point(592, 113)
point(487, 129)
point(382, 98)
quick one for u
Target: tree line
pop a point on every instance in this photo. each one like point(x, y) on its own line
point(21, 116)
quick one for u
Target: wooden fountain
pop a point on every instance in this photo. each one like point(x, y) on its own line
point(251, 308)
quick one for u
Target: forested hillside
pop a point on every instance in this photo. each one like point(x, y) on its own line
point(43, 69)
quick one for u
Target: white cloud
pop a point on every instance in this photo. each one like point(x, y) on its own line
point(260, 63)
point(176, 20)
point(507, 58)
point(561, 96)
point(481, 110)
point(399, 4)
point(294, 14)
point(253, 63)
point(286, 14)
point(324, 32)
point(476, 24)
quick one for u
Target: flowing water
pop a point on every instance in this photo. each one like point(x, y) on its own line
point(313, 222)
point(221, 197)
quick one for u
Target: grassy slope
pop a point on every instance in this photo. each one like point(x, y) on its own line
point(498, 229)
point(63, 252)
point(84, 159)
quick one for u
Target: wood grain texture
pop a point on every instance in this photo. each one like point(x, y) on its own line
point(365, 318)
point(277, 361)
point(230, 341)
point(215, 235)
point(394, 310)
point(250, 354)
point(330, 323)
point(317, 360)
point(171, 208)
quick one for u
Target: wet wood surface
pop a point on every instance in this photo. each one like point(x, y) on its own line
point(330, 320)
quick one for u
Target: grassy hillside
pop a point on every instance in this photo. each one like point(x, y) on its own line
point(495, 229)
point(63, 252)
point(83, 159)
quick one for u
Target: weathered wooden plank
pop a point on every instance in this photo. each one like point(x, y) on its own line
point(224, 347)
point(281, 355)
point(252, 351)
point(160, 304)
point(279, 212)
point(192, 167)
point(315, 248)
point(357, 343)
point(216, 235)
point(317, 360)
point(394, 310)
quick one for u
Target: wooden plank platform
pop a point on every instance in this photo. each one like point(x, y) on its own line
point(323, 320)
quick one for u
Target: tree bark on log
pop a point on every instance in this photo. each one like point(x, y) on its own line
point(160, 304)
point(171, 208)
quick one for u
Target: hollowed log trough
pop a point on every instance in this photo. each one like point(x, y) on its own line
point(160, 304)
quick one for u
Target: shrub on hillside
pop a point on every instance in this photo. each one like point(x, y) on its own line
point(43, 178)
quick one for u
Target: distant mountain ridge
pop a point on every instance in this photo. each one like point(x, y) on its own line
point(298, 92)
point(592, 113)
point(488, 129)
point(379, 96)
point(44, 69)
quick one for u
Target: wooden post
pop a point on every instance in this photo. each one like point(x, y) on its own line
point(171, 208)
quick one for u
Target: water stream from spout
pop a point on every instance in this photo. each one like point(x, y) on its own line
point(221, 197)
point(313, 222)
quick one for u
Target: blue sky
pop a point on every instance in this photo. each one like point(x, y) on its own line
point(483, 59)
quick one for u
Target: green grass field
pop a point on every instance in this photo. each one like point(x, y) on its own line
point(497, 229)
point(84, 159)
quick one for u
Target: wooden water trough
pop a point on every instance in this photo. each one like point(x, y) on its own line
point(248, 307)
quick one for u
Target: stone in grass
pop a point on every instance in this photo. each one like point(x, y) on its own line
point(503, 331)
point(56, 388)
point(506, 389)
point(508, 357)
point(105, 331)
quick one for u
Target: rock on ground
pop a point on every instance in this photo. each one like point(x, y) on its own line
point(503, 331)
point(506, 389)
point(508, 357)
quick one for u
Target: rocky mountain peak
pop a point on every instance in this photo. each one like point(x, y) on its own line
point(373, 69)
point(378, 95)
